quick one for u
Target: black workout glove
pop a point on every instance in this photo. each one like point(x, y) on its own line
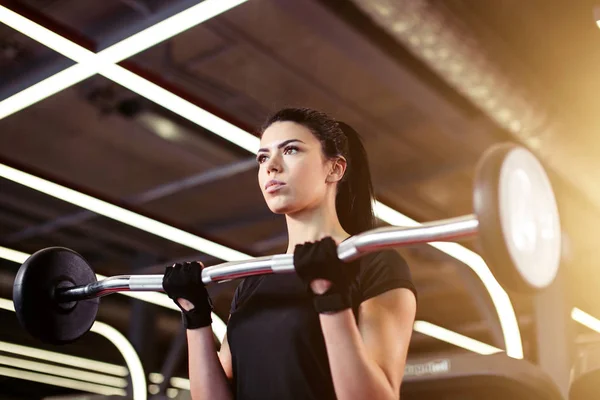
point(319, 260)
point(184, 280)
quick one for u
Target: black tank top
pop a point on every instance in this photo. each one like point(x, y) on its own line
point(274, 333)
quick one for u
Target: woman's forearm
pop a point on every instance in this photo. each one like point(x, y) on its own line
point(355, 375)
point(207, 378)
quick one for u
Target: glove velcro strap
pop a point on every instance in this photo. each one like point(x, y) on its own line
point(331, 302)
point(195, 319)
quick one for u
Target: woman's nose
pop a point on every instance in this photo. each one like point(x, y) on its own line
point(274, 164)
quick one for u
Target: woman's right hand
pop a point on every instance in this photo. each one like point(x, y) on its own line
point(183, 284)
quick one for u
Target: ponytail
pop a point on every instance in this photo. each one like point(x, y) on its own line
point(354, 201)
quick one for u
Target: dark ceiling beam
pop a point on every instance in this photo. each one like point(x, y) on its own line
point(238, 222)
point(139, 7)
point(161, 191)
point(229, 31)
point(194, 181)
point(450, 118)
point(112, 30)
point(44, 213)
point(101, 196)
point(9, 218)
point(71, 239)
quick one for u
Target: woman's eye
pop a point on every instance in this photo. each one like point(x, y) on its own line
point(261, 158)
point(290, 150)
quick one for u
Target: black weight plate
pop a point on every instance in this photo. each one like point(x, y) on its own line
point(37, 312)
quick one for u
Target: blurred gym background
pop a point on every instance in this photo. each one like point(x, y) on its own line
point(429, 84)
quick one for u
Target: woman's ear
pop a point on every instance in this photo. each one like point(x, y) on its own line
point(337, 171)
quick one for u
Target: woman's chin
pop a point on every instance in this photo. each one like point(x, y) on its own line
point(280, 207)
point(280, 210)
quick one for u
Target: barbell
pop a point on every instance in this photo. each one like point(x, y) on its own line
point(56, 294)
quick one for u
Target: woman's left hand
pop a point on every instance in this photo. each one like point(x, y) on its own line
point(319, 267)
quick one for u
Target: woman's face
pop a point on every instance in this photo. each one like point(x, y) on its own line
point(293, 174)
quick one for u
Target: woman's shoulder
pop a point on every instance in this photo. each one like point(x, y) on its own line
point(381, 271)
point(388, 258)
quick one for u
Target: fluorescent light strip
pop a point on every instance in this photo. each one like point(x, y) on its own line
point(499, 297)
point(585, 319)
point(454, 338)
point(136, 370)
point(44, 89)
point(13, 255)
point(180, 383)
point(61, 382)
point(122, 215)
point(43, 35)
point(63, 371)
point(168, 28)
point(153, 389)
point(6, 304)
point(156, 378)
point(392, 216)
point(90, 62)
point(243, 139)
point(64, 359)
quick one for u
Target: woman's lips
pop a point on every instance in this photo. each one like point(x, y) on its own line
point(273, 186)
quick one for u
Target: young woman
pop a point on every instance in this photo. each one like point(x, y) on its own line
point(332, 330)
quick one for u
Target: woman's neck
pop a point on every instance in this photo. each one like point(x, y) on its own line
point(312, 225)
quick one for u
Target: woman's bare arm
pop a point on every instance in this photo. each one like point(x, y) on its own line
point(225, 357)
point(368, 361)
point(207, 377)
